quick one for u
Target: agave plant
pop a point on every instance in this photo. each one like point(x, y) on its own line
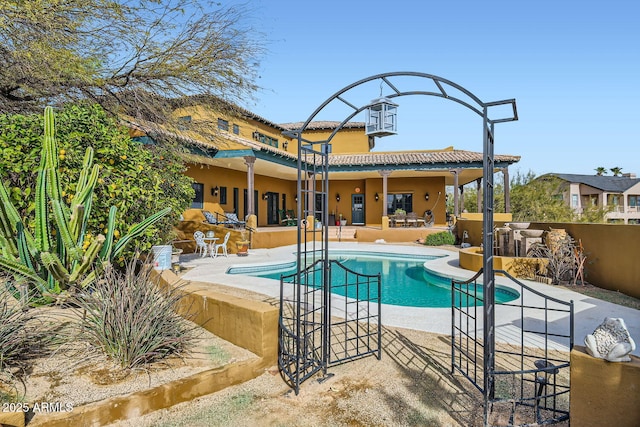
point(54, 257)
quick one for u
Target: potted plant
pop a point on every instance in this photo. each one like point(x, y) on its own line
point(343, 221)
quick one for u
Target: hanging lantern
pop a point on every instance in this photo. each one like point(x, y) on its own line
point(381, 118)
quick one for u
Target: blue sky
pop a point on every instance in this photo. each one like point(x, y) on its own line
point(572, 66)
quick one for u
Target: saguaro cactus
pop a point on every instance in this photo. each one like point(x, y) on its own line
point(54, 259)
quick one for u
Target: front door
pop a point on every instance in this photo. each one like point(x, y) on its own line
point(272, 209)
point(357, 209)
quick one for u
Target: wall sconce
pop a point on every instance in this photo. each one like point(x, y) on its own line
point(265, 196)
point(214, 190)
point(337, 197)
point(426, 196)
point(376, 197)
point(255, 135)
point(296, 198)
point(285, 144)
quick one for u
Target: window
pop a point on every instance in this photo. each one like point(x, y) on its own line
point(265, 139)
point(236, 129)
point(399, 201)
point(634, 201)
point(198, 198)
point(223, 125)
point(574, 201)
point(223, 195)
point(183, 122)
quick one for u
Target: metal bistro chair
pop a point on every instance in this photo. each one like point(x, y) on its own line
point(223, 246)
point(201, 245)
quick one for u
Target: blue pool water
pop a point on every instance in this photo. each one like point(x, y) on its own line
point(405, 282)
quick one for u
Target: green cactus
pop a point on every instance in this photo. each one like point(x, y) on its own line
point(54, 259)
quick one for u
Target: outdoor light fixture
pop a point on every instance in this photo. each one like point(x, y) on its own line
point(214, 190)
point(426, 196)
point(296, 198)
point(337, 197)
point(376, 197)
point(265, 196)
point(381, 118)
point(256, 135)
point(285, 144)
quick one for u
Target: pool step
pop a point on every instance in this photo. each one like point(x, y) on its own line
point(346, 234)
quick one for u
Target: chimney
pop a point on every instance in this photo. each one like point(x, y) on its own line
point(629, 175)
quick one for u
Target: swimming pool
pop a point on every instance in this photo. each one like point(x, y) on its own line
point(405, 281)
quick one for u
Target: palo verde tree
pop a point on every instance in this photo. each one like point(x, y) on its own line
point(56, 255)
point(127, 55)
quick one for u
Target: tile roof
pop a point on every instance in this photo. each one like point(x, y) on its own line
point(416, 157)
point(322, 125)
point(610, 184)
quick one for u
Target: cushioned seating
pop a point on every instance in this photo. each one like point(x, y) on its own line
point(209, 217)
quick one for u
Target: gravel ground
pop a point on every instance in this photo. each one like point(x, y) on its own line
point(410, 386)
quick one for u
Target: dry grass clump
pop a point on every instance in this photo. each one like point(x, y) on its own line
point(133, 319)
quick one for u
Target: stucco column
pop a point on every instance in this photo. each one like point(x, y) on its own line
point(479, 194)
point(507, 197)
point(385, 175)
point(250, 162)
point(456, 210)
point(385, 216)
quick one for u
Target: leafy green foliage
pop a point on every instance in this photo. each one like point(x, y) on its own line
point(541, 199)
point(134, 178)
point(54, 252)
point(133, 319)
point(439, 239)
point(538, 200)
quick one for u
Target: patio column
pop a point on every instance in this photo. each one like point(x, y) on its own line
point(385, 174)
point(507, 197)
point(250, 162)
point(479, 194)
point(455, 172)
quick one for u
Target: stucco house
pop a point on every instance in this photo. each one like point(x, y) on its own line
point(248, 165)
point(619, 193)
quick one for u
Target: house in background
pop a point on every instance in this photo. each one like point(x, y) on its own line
point(248, 166)
point(619, 193)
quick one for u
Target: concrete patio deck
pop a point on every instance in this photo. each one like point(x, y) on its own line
point(589, 312)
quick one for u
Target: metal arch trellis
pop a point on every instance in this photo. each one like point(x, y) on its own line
point(305, 311)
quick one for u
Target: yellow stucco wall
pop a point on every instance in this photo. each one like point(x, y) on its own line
point(604, 393)
point(348, 140)
point(611, 250)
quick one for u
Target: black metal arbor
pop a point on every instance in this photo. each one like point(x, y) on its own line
point(307, 335)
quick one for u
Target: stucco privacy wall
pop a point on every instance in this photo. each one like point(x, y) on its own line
point(604, 393)
point(612, 250)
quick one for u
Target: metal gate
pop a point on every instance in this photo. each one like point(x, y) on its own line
point(529, 382)
point(328, 313)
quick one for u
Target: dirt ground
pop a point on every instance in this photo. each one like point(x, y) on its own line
point(410, 386)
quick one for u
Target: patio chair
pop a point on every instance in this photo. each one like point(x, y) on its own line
point(201, 245)
point(222, 246)
point(292, 217)
point(209, 217)
point(412, 219)
point(232, 219)
point(400, 220)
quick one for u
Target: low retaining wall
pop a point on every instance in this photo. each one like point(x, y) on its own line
point(250, 324)
point(604, 393)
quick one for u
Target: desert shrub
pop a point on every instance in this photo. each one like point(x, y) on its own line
point(441, 238)
point(133, 319)
point(15, 332)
